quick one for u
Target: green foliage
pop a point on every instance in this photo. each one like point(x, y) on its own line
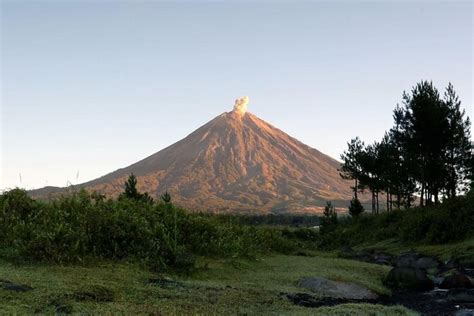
point(131, 191)
point(329, 220)
point(166, 197)
point(428, 151)
point(355, 208)
point(453, 220)
point(83, 225)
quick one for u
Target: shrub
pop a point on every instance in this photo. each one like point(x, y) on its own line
point(82, 225)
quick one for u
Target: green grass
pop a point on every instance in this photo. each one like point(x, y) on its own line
point(218, 287)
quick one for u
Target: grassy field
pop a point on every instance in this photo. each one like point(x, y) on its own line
point(217, 287)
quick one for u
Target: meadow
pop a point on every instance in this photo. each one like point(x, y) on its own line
point(85, 254)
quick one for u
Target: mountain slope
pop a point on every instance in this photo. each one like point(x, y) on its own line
point(236, 162)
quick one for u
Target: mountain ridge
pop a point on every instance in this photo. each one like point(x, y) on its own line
point(235, 162)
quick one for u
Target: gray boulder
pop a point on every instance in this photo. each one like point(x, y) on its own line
point(15, 287)
point(465, 312)
point(426, 263)
point(407, 260)
point(334, 289)
point(409, 279)
point(461, 295)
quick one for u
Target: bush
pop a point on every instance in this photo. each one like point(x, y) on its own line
point(82, 225)
point(355, 208)
point(450, 221)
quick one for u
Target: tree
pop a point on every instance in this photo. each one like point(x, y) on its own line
point(427, 152)
point(458, 154)
point(131, 192)
point(355, 208)
point(426, 133)
point(166, 197)
point(329, 219)
point(351, 168)
point(371, 175)
point(403, 184)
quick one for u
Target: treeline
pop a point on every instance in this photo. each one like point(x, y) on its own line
point(287, 220)
point(426, 155)
point(450, 221)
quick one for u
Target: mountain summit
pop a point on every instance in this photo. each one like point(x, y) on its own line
point(235, 162)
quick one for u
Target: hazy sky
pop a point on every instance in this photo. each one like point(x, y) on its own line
point(89, 87)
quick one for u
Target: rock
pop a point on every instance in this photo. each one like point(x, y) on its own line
point(426, 263)
point(451, 264)
point(382, 259)
point(382, 256)
point(407, 260)
point(304, 299)
point(409, 279)
point(97, 293)
point(165, 282)
point(456, 281)
point(10, 286)
point(437, 280)
point(383, 262)
point(335, 289)
point(307, 300)
point(461, 295)
point(469, 273)
point(465, 312)
point(363, 256)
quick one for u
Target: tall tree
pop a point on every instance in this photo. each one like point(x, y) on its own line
point(426, 125)
point(458, 154)
point(351, 168)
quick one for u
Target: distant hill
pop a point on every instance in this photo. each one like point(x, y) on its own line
point(235, 162)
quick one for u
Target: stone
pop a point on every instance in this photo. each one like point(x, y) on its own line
point(465, 312)
point(427, 263)
point(407, 260)
point(165, 282)
point(461, 295)
point(335, 289)
point(409, 279)
point(15, 287)
point(456, 281)
point(383, 262)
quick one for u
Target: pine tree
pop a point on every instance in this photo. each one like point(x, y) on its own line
point(130, 190)
point(355, 208)
point(329, 219)
point(458, 148)
point(351, 168)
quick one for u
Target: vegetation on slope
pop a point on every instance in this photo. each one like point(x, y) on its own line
point(83, 225)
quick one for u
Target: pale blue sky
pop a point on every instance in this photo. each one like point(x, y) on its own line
point(95, 86)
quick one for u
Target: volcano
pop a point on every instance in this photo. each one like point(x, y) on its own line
point(235, 162)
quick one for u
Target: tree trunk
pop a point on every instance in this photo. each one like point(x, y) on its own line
point(355, 189)
point(373, 202)
point(422, 194)
point(377, 199)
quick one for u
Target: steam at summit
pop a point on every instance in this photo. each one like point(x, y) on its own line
point(241, 105)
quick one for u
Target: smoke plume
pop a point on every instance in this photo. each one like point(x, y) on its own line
point(241, 105)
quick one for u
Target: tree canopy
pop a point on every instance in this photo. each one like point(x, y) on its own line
point(427, 154)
